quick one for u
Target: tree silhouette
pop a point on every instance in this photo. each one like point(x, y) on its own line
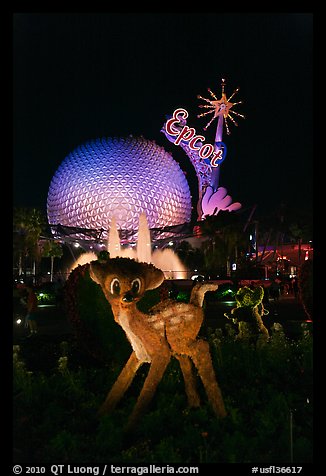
point(28, 224)
point(52, 249)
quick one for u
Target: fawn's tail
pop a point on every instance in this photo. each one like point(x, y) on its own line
point(198, 293)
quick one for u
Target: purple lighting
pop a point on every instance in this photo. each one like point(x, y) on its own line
point(121, 178)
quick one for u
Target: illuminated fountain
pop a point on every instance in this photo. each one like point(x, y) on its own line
point(165, 259)
point(169, 263)
point(113, 246)
point(144, 247)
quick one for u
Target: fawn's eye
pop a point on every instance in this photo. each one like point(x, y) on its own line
point(135, 286)
point(115, 286)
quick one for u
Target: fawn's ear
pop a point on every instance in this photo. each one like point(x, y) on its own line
point(153, 276)
point(97, 272)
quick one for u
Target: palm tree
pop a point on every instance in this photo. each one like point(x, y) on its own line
point(52, 249)
point(191, 257)
point(226, 240)
point(284, 225)
point(300, 232)
point(28, 224)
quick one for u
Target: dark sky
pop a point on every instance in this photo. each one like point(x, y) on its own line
point(82, 76)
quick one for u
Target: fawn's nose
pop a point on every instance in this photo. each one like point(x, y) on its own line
point(128, 297)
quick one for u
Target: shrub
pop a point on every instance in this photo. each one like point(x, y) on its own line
point(92, 319)
point(56, 414)
point(305, 283)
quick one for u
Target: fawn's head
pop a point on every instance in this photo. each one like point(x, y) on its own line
point(124, 280)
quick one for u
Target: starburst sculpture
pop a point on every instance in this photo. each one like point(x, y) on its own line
point(220, 107)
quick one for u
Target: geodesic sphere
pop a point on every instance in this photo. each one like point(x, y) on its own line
point(121, 178)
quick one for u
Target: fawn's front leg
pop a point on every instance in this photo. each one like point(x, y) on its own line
point(121, 385)
point(154, 376)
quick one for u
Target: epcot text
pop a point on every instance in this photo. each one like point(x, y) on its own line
point(188, 134)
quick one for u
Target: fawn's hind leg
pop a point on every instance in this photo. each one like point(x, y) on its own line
point(189, 380)
point(201, 357)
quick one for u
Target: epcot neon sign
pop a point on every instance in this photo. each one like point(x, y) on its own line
point(187, 134)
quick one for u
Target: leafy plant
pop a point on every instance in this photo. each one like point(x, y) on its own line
point(55, 413)
point(92, 318)
point(306, 287)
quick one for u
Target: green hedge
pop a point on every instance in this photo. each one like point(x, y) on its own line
point(91, 317)
point(55, 415)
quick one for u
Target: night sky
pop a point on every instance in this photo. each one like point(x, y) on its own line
point(82, 76)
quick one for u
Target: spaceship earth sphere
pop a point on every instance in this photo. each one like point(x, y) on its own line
point(120, 178)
